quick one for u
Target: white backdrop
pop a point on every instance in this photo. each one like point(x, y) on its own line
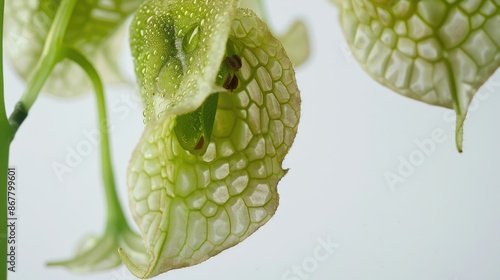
point(441, 223)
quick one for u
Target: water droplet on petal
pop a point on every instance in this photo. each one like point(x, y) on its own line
point(168, 78)
point(191, 39)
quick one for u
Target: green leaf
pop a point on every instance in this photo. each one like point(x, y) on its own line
point(438, 52)
point(94, 30)
point(188, 207)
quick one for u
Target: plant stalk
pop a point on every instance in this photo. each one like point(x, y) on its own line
point(51, 55)
point(5, 139)
point(116, 219)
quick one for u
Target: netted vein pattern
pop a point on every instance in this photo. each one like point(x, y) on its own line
point(190, 208)
point(439, 52)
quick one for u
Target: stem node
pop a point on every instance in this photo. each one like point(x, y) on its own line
point(17, 117)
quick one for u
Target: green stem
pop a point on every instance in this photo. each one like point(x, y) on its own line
point(51, 55)
point(5, 138)
point(116, 219)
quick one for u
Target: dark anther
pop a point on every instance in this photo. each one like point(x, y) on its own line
point(227, 82)
point(234, 83)
point(234, 62)
point(200, 143)
point(231, 82)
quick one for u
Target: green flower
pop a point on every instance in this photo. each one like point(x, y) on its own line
point(48, 32)
point(97, 253)
point(94, 30)
point(192, 204)
point(438, 52)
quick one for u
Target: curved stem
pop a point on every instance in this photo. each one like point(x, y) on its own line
point(51, 54)
point(116, 218)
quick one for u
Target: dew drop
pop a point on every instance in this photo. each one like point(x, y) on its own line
point(168, 78)
point(191, 39)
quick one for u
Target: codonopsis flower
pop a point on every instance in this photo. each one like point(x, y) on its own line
point(222, 110)
point(95, 30)
point(74, 37)
point(438, 52)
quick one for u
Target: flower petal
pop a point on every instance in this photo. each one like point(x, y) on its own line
point(437, 52)
point(93, 29)
point(190, 207)
point(176, 65)
point(97, 253)
point(296, 42)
